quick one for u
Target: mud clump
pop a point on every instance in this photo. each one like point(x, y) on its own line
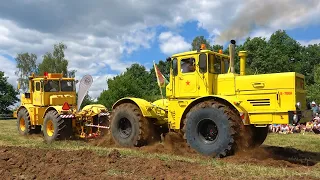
point(173, 143)
point(104, 141)
point(113, 156)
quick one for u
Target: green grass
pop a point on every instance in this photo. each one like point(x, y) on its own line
point(308, 142)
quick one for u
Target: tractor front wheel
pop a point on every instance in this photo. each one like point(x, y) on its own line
point(212, 128)
point(23, 122)
point(128, 126)
point(54, 127)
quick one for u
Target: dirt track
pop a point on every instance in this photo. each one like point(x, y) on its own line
point(27, 163)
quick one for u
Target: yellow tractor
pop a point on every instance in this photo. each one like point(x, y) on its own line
point(216, 110)
point(51, 106)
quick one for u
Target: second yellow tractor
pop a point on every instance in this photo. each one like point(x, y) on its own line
point(51, 107)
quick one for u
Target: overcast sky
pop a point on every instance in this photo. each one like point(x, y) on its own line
point(105, 37)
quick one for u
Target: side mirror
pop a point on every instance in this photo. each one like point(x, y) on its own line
point(168, 59)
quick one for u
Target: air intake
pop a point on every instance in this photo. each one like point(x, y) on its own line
point(259, 102)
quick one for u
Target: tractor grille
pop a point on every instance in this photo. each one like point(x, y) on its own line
point(259, 102)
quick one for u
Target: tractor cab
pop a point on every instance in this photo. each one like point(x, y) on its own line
point(195, 73)
point(51, 89)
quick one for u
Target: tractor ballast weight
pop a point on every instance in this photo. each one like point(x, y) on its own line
point(216, 110)
point(51, 106)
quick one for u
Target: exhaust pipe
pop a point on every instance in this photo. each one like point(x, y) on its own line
point(232, 53)
point(243, 57)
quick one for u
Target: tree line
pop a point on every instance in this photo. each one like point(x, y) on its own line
point(279, 53)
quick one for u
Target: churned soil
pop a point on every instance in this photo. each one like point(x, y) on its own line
point(30, 163)
point(34, 163)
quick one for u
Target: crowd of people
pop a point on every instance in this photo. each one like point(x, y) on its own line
point(311, 126)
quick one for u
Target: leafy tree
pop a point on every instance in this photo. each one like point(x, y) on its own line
point(136, 81)
point(72, 73)
point(216, 47)
point(26, 65)
point(197, 41)
point(313, 90)
point(55, 62)
point(87, 100)
point(8, 95)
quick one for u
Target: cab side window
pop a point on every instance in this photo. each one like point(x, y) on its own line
point(37, 86)
point(217, 65)
point(214, 64)
point(187, 65)
point(175, 66)
point(203, 63)
point(226, 65)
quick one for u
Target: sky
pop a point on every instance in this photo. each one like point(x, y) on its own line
point(103, 38)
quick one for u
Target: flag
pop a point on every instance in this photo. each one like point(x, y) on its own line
point(162, 81)
point(84, 85)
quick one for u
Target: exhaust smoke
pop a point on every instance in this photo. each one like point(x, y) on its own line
point(272, 14)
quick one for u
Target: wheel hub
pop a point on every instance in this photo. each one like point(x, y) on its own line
point(125, 128)
point(207, 130)
point(50, 128)
point(22, 124)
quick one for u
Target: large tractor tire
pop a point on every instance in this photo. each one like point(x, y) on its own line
point(129, 128)
point(54, 127)
point(213, 129)
point(23, 122)
point(258, 135)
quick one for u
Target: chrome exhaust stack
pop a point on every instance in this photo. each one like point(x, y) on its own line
point(232, 54)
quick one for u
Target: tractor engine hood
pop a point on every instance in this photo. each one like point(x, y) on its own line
point(61, 99)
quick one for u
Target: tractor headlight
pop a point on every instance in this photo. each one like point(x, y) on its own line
point(295, 119)
point(298, 105)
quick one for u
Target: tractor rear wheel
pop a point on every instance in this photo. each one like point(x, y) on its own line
point(54, 127)
point(258, 135)
point(23, 122)
point(129, 127)
point(212, 129)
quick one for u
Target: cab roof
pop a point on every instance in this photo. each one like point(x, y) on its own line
point(198, 52)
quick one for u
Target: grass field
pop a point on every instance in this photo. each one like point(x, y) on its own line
point(299, 158)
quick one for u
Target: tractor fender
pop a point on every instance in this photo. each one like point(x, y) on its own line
point(29, 108)
point(56, 108)
point(26, 106)
point(141, 103)
point(223, 99)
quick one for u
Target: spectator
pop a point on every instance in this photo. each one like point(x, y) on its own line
point(314, 108)
point(316, 127)
point(316, 117)
point(284, 129)
point(309, 126)
point(296, 129)
point(276, 128)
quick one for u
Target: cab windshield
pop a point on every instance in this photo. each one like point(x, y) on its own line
point(67, 85)
point(56, 86)
point(51, 86)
